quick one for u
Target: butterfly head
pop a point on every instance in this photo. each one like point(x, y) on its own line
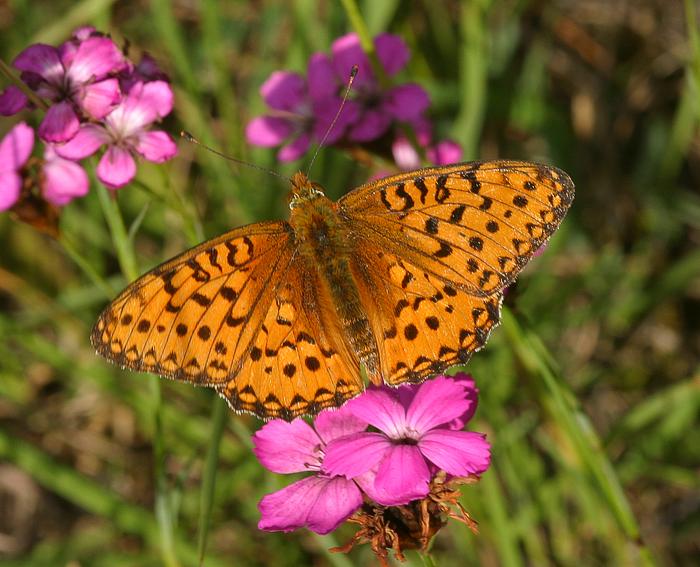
point(303, 190)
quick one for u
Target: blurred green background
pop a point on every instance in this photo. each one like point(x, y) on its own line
point(589, 391)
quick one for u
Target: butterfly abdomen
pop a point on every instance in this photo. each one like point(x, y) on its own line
point(323, 243)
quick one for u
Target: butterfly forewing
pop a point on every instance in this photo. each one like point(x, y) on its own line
point(193, 318)
point(475, 225)
point(236, 313)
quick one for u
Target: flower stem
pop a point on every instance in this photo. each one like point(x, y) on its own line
point(206, 500)
point(127, 261)
point(360, 27)
point(9, 72)
point(120, 236)
point(86, 267)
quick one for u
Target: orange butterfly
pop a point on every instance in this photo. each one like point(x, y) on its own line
point(403, 276)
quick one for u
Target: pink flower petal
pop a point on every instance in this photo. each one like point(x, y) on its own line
point(145, 103)
point(156, 146)
point(472, 392)
point(347, 52)
point(321, 78)
point(95, 57)
point(267, 131)
point(284, 90)
point(295, 149)
point(338, 500)
point(158, 95)
point(64, 180)
point(10, 187)
point(41, 60)
point(16, 147)
point(405, 155)
point(320, 503)
point(116, 168)
point(403, 475)
point(287, 447)
point(459, 453)
point(371, 125)
point(81, 33)
point(12, 100)
point(85, 143)
point(406, 102)
point(392, 52)
point(98, 99)
point(380, 409)
point(445, 153)
point(60, 123)
point(437, 401)
point(355, 454)
point(325, 111)
point(333, 424)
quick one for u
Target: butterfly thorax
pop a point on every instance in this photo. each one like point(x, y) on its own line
point(324, 245)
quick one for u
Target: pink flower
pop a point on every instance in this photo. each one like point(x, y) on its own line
point(301, 110)
point(145, 71)
point(375, 106)
point(15, 150)
point(75, 77)
point(320, 501)
point(418, 431)
point(442, 153)
point(63, 179)
point(125, 132)
point(12, 100)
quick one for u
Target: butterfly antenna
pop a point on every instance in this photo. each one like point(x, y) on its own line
point(353, 74)
point(190, 138)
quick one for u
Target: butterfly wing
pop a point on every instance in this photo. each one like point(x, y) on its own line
point(434, 248)
point(423, 324)
point(214, 314)
point(474, 224)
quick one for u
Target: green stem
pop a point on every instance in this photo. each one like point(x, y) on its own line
point(575, 424)
point(358, 23)
point(120, 236)
point(164, 510)
point(9, 72)
point(129, 267)
point(86, 267)
point(218, 421)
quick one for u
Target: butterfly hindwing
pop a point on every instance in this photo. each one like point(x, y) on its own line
point(300, 361)
point(423, 325)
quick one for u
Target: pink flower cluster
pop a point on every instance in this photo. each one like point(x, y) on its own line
point(97, 98)
point(416, 432)
point(302, 108)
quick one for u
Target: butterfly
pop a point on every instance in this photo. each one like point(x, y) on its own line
point(402, 277)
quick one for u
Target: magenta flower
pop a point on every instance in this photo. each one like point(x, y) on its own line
point(442, 153)
point(12, 100)
point(63, 180)
point(15, 150)
point(75, 78)
point(418, 431)
point(320, 501)
point(376, 108)
point(125, 131)
point(301, 110)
